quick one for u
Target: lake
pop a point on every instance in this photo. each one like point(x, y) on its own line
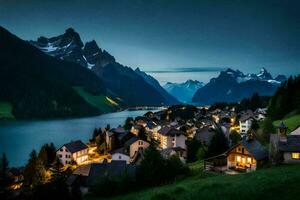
point(19, 138)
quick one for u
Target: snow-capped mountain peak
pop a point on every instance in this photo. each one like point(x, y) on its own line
point(240, 77)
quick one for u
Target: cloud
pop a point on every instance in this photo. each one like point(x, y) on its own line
point(187, 69)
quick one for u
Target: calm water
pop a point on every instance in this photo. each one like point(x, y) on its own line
point(19, 138)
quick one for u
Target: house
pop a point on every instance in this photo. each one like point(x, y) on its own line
point(116, 137)
point(246, 122)
point(135, 145)
point(180, 152)
point(90, 174)
point(120, 154)
point(246, 155)
point(284, 148)
point(74, 151)
point(170, 137)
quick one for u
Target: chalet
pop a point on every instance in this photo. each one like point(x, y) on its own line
point(170, 137)
point(74, 151)
point(246, 122)
point(284, 148)
point(246, 155)
point(135, 145)
point(120, 154)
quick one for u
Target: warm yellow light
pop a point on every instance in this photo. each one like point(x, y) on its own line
point(244, 160)
point(238, 158)
point(248, 160)
point(295, 155)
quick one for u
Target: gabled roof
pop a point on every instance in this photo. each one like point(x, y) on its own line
point(296, 131)
point(75, 146)
point(121, 150)
point(115, 169)
point(170, 131)
point(255, 149)
point(291, 145)
point(131, 141)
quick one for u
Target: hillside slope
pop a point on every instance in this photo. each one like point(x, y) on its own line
point(121, 81)
point(276, 183)
point(40, 86)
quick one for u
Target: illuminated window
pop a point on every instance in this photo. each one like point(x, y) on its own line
point(238, 158)
point(244, 160)
point(248, 160)
point(296, 155)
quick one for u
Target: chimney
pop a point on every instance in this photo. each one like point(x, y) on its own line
point(282, 129)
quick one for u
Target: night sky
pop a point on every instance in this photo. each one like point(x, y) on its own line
point(156, 35)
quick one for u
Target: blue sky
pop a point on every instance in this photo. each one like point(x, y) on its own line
point(166, 34)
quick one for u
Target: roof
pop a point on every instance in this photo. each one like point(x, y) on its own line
point(296, 131)
point(291, 145)
point(131, 141)
point(282, 125)
point(168, 151)
point(118, 130)
point(75, 146)
point(255, 148)
point(248, 115)
point(93, 172)
point(124, 135)
point(121, 150)
point(170, 131)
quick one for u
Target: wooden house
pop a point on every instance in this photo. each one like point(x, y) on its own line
point(246, 155)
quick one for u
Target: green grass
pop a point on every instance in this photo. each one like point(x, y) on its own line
point(276, 183)
point(105, 104)
point(291, 122)
point(6, 110)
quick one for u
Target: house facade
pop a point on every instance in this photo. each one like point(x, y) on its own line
point(284, 148)
point(170, 137)
point(120, 155)
point(74, 151)
point(136, 145)
point(246, 156)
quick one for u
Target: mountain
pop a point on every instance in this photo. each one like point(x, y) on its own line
point(233, 85)
point(40, 86)
point(184, 92)
point(121, 81)
point(153, 82)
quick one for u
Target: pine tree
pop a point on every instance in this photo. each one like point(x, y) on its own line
point(218, 144)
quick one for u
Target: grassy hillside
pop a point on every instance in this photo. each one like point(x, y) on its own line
point(105, 104)
point(281, 182)
point(290, 121)
point(6, 111)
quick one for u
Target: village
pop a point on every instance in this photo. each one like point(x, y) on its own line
point(226, 141)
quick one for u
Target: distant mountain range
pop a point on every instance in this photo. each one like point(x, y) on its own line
point(130, 87)
point(184, 92)
point(233, 85)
